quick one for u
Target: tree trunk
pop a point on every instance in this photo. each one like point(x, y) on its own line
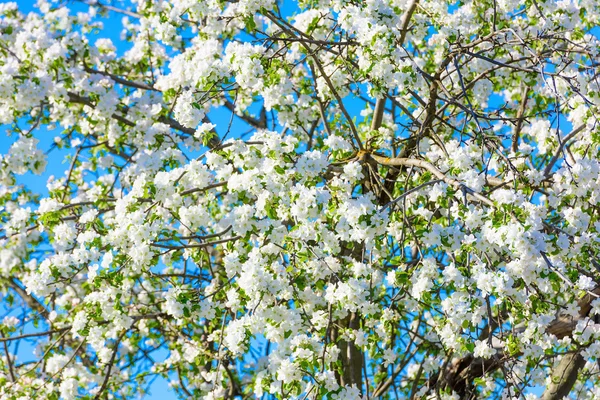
point(351, 356)
point(564, 376)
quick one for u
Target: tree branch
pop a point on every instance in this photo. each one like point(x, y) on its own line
point(431, 168)
point(564, 376)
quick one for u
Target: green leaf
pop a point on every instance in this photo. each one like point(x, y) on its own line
point(250, 23)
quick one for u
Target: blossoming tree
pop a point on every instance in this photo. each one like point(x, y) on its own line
point(321, 199)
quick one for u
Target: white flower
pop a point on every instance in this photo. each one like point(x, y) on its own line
point(79, 323)
point(483, 350)
point(190, 351)
point(389, 356)
point(48, 205)
point(24, 156)
point(312, 163)
point(68, 389)
point(10, 321)
point(353, 171)
point(287, 371)
point(585, 283)
point(347, 393)
point(187, 111)
point(503, 196)
point(235, 336)
point(437, 190)
point(335, 142)
point(203, 129)
point(88, 216)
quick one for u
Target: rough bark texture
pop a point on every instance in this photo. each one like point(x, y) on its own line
point(564, 376)
point(351, 356)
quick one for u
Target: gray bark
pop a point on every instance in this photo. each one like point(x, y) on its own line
point(564, 376)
